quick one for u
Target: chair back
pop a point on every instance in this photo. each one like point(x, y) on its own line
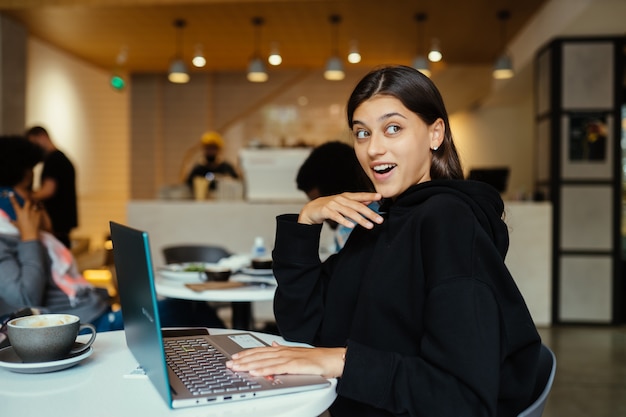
point(194, 253)
point(543, 384)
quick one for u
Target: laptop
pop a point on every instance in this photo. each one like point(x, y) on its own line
point(162, 352)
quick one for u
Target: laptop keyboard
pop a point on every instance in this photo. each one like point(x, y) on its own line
point(202, 368)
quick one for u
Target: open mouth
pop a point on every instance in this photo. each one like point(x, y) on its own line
point(384, 168)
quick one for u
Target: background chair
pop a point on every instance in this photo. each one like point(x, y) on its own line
point(194, 253)
point(543, 384)
point(202, 253)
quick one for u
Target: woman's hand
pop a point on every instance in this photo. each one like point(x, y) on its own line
point(28, 218)
point(279, 359)
point(345, 209)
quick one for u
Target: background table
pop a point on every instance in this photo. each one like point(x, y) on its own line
point(240, 297)
point(98, 386)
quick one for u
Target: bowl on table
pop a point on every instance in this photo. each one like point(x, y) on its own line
point(217, 273)
point(261, 263)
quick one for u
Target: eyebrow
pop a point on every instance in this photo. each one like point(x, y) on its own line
point(381, 118)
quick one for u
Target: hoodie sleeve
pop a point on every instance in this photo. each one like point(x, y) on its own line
point(298, 302)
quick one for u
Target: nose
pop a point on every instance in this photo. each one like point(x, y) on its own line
point(376, 145)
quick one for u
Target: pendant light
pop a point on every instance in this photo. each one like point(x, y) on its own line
point(420, 62)
point(334, 66)
point(256, 67)
point(435, 55)
point(198, 59)
point(274, 58)
point(503, 67)
point(178, 70)
point(354, 56)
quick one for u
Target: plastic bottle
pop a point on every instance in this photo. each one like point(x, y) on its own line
point(258, 249)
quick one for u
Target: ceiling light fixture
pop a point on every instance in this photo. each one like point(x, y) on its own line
point(334, 66)
point(420, 62)
point(178, 70)
point(256, 67)
point(274, 58)
point(354, 57)
point(435, 55)
point(503, 67)
point(198, 59)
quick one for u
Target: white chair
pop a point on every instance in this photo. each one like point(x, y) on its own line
point(545, 378)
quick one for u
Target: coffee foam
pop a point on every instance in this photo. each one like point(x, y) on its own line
point(46, 321)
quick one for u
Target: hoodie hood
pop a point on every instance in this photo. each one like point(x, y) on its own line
point(484, 201)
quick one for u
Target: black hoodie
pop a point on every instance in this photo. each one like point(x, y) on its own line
point(433, 322)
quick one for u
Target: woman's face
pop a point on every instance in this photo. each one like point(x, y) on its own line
point(393, 144)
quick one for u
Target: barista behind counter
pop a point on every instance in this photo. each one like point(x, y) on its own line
point(212, 145)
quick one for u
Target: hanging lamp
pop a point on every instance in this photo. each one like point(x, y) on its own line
point(256, 68)
point(503, 67)
point(198, 59)
point(354, 56)
point(334, 66)
point(435, 55)
point(420, 62)
point(274, 58)
point(178, 70)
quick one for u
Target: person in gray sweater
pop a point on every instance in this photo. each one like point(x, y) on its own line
point(38, 271)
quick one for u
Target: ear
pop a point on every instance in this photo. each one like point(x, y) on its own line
point(437, 132)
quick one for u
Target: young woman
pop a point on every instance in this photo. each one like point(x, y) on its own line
point(417, 314)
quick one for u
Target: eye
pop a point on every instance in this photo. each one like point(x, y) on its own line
point(392, 129)
point(361, 134)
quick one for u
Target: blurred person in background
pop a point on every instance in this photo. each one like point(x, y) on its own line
point(57, 188)
point(38, 271)
point(332, 168)
point(213, 165)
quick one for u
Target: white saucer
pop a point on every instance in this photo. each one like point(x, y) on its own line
point(260, 272)
point(9, 360)
point(256, 279)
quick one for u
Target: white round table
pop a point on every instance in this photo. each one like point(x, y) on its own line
point(239, 297)
point(102, 386)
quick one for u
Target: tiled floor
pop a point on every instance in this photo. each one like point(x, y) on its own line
point(591, 371)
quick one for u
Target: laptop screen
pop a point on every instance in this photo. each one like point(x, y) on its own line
point(135, 277)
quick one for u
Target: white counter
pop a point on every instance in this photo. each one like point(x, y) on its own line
point(530, 255)
point(234, 224)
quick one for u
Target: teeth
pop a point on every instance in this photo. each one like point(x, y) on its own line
point(382, 168)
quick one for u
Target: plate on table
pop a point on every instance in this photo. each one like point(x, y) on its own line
point(261, 280)
point(185, 272)
point(9, 360)
point(257, 272)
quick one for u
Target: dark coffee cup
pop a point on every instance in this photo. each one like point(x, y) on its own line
point(47, 337)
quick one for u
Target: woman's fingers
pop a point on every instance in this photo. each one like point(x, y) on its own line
point(346, 209)
point(28, 218)
point(280, 359)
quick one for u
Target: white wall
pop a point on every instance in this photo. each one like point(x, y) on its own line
point(91, 123)
point(88, 121)
point(499, 136)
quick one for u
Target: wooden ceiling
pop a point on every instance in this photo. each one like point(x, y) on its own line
point(386, 30)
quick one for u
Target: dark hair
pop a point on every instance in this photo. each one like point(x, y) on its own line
point(36, 131)
point(332, 168)
point(420, 95)
point(17, 156)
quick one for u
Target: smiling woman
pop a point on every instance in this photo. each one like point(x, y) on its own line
point(417, 314)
